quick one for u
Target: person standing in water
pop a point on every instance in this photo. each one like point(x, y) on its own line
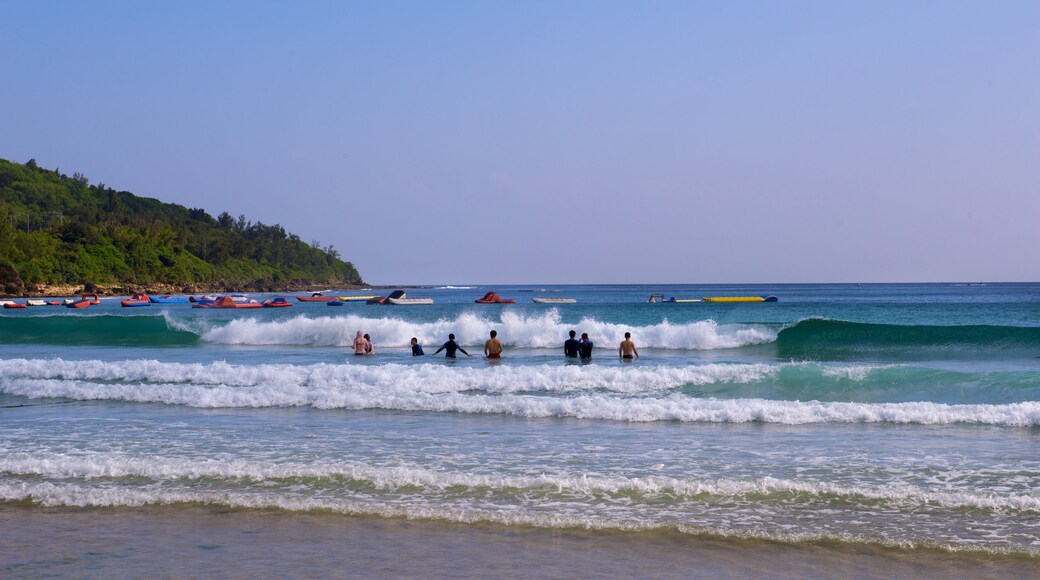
point(450, 347)
point(585, 348)
point(493, 347)
point(371, 348)
point(416, 347)
point(360, 345)
point(627, 348)
point(570, 346)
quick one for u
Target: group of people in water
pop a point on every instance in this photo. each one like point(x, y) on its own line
point(573, 348)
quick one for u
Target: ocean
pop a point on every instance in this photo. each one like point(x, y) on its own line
point(892, 426)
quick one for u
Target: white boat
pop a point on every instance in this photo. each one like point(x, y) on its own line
point(409, 301)
point(36, 302)
point(553, 300)
point(6, 302)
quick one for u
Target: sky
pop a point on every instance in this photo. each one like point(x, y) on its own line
point(560, 142)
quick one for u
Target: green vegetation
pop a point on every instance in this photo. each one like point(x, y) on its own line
point(61, 230)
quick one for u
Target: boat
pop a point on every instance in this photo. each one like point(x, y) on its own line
point(396, 294)
point(168, 299)
point(92, 298)
point(336, 303)
point(409, 301)
point(78, 303)
point(227, 302)
point(315, 297)
point(8, 304)
point(353, 298)
point(36, 303)
point(492, 298)
point(277, 302)
point(136, 300)
point(769, 298)
point(553, 300)
point(660, 299)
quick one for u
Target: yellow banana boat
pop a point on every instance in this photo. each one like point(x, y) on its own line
point(769, 298)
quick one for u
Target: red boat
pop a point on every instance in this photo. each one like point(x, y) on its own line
point(279, 302)
point(81, 303)
point(136, 300)
point(492, 298)
point(316, 297)
point(92, 298)
point(14, 305)
point(228, 302)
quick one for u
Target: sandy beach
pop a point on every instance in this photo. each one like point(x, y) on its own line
point(188, 541)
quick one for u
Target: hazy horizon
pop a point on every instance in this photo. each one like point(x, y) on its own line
point(583, 142)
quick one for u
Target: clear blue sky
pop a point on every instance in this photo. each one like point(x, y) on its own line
point(555, 142)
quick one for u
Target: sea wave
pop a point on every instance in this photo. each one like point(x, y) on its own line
point(617, 394)
point(418, 480)
point(514, 329)
point(75, 494)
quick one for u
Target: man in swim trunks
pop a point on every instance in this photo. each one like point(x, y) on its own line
point(627, 348)
point(450, 347)
point(416, 347)
point(360, 345)
point(570, 346)
point(493, 347)
point(585, 348)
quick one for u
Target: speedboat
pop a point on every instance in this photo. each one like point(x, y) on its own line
point(314, 297)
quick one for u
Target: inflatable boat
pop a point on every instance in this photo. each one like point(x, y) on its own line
point(553, 300)
point(277, 302)
point(14, 305)
point(136, 300)
point(168, 299)
point(353, 298)
point(409, 301)
point(769, 298)
point(492, 298)
point(315, 297)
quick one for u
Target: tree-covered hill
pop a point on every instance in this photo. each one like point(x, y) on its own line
point(60, 230)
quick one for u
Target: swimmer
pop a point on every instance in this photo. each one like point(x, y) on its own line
point(627, 348)
point(416, 347)
point(450, 347)
point(371, 348)
point(585, 348)
point(360, 345)
point(570, 346)
point(493, 347)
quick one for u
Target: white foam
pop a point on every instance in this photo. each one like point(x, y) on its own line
point(590, 392)
point(514, 329)
point(51, 494)
point(416, 378)
point(422, 480)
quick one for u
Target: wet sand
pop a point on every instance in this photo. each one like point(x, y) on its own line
point(200, 541)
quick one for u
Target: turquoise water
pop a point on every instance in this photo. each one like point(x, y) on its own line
point(902, 415)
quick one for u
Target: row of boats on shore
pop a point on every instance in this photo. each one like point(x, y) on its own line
point(397, 297)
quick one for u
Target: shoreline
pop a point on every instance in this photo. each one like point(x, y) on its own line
point(197, 539)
